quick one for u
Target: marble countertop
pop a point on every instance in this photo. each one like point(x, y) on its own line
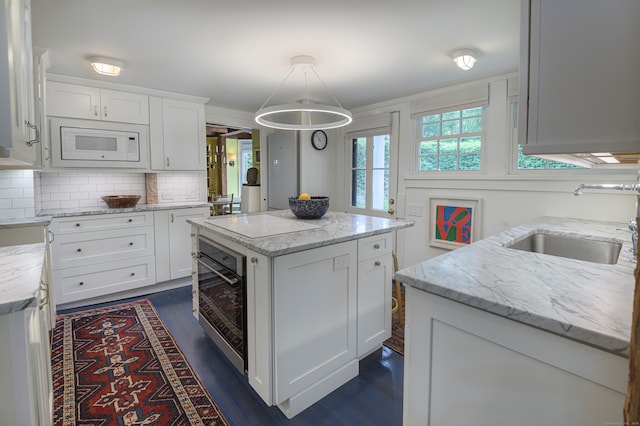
point(585, 301)
point(83, 211)
point(24, 222)
point(20, 274)
point(332, 228)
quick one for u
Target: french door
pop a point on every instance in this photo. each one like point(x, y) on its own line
point(372, 170)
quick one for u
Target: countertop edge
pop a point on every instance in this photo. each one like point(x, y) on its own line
point(87, 211)
point(582, 317)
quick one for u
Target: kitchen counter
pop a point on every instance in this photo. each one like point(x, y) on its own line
point(83, 211)
point(25, 222)
point(588, 302)
point(331, 229)
point(20, 275)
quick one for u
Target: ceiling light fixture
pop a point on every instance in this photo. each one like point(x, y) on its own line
point(106, 66)
point(465, 59)
point(306, 114)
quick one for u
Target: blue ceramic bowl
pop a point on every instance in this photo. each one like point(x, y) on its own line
point(314, 208)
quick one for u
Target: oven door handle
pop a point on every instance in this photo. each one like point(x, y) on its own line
point(231, 281)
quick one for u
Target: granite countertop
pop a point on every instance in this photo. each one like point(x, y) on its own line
point(332, 228)
point(24, 222)
point(20, 274)
point(585, 301)
point(83, 211)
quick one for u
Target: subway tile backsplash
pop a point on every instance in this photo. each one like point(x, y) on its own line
point(16, 194)
point(23, 193)
point(59, 190)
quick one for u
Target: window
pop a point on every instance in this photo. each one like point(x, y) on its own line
point(370, 171)
point(450, 140)
point(529, 162)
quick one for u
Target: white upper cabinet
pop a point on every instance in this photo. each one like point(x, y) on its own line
point(17, 131)
point(177, 133)
point(77, 101)
point(579, 72)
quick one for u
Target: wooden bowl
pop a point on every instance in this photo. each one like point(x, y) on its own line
point(121, 201)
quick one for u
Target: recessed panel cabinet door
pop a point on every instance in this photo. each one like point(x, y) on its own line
point(579, 72)
point(315, 315)
point(183, 137)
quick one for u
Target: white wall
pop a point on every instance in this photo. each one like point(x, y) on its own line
point(510, 197)
point(317, 176)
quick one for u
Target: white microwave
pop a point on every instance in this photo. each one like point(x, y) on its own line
point(88, 143)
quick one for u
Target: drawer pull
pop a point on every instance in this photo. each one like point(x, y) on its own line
point(133, 274)
point(81, 282)
point(254, 260)
point(79, 250)
point(131, 244)
point(376, 246)
point(77, 225)
point(377, 263)
point(130, 220)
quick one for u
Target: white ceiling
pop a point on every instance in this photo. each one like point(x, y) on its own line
point(236, 52)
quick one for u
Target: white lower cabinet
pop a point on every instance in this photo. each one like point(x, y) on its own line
point(26, 394)
point(466, 366)
point(314, 323)
point(173, 242)
point(101, 254)
point(312, 315)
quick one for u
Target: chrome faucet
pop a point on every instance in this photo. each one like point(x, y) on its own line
point(621, 187)
point(633, 225)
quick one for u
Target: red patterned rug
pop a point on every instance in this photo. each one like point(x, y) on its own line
point(396, 341)
point(119, 365)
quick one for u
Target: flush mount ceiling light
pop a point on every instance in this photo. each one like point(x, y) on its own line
point(106, 66)
point(306, 114)
point(465, 59)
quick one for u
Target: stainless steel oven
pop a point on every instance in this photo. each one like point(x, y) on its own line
point(222, 289)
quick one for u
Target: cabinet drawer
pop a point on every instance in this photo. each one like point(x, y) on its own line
point(85, 282)
point(374, 246)
point(101, 222)
point(88, 248)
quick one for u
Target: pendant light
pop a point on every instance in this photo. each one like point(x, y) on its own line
point(305, 114)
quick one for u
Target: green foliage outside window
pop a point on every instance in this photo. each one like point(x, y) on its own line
point(451, 141)
point(527, 162)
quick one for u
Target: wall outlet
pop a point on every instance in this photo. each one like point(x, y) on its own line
point(414, 210)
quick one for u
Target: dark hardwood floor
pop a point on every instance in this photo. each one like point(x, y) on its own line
point(372, 398)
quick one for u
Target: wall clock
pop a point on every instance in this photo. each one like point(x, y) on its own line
point(319, 139)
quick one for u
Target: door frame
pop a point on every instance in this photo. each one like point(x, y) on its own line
point(391, 127)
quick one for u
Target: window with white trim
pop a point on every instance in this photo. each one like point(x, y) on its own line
point(450, 140)
point(529, 162)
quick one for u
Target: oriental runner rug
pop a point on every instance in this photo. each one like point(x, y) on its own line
point(396, 341)
point(119, 365)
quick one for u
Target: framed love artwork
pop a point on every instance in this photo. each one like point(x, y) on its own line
point(454, 222)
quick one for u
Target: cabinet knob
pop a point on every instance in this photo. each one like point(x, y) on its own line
point(81, 282)
point(133, 274)
point(131, 244)
point(376, 263)
point(376, 246)
point(79, 250)
point(130, 220)
point(77, 225)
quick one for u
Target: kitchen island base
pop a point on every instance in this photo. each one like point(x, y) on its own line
point(318, 300)
point(466, 366)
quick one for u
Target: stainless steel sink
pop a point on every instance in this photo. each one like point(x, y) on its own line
point(590, 250)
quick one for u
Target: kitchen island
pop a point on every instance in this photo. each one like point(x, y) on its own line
point(318, 297)
point(496, 335)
